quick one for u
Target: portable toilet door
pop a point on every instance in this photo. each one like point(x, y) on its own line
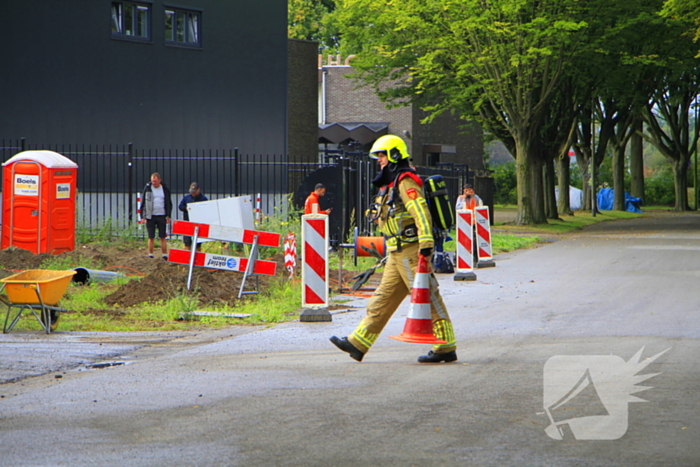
point(38, 202)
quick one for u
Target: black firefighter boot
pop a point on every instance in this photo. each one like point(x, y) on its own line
point(345, 345)
point(433, 357)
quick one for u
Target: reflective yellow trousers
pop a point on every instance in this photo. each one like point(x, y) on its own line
point(396, 284)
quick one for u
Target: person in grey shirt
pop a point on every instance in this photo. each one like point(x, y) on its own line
point(156, 207)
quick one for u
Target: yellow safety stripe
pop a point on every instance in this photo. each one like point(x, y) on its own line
point(365, 337)
point(418, 209)
point(442, 329)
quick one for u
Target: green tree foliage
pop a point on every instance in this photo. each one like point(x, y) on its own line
point(668, 112)
point(498, 62)
point(658, 189)
point(686, 10)
point(505, 184)
point(517, 67)
point(305, 20)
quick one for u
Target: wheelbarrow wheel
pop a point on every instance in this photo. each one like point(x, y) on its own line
point(53, 316)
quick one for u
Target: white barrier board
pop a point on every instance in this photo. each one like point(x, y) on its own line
point(229, 212)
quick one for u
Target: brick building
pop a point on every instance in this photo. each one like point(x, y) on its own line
point(348, 114)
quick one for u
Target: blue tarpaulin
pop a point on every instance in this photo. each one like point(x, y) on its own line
point(606, 198)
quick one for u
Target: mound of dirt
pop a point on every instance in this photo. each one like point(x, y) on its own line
point(170, 280)
point(13, 259)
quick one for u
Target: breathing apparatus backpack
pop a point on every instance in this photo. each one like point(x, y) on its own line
point(435, 190)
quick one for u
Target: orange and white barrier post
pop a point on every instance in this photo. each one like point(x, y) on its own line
point(138, 211)
point(258, 212)
point(419, 324)
point(483, 238)
point(464, 262)
point(290, 253)
point(314, 271)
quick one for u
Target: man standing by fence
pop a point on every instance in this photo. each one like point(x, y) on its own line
point(314, 199)
point(195, 196)
point(156, 207)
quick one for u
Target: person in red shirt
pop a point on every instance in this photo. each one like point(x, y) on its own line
point(314, 200)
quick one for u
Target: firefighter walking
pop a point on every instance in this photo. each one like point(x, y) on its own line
point(402, 215)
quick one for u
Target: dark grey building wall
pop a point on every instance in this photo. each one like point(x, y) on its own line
point(64, 79)
point(302, 101)
point(449, 129)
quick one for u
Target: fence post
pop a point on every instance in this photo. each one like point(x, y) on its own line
point(130, 182)
point(236, 174)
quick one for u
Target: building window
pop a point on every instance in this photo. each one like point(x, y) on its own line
point(131, 20)
point(183, 27)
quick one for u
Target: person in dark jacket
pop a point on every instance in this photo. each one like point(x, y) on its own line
point(195, 195)
point(156, 207)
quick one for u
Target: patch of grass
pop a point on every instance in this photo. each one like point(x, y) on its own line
point(63, 263)
point(281, 301)
point(500, 242)
point(503, 243)
point(568, 224)
point(84, 298)
point(363, 262)
point(166, 310)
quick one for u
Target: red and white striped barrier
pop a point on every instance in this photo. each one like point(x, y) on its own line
point(290, 253)
point(138, 209)
point(248, 266)
point(464, 262)
point(314, 272)
point(483, 238)
point(419, 324)
point(227, 234)
point(228, 263)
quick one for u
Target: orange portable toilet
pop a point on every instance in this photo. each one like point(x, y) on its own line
point(38, 202)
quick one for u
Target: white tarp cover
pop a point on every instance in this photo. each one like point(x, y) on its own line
point(575, 197)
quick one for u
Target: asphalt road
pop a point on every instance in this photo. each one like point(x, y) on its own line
point(550, 341)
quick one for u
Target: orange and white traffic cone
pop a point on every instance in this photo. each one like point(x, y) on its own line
point(419, 325)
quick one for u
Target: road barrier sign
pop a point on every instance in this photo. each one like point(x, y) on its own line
point(251, 265)
point(227, 234)
point(483, 238)
point(314, 272)
point(464, 267)
point(290, 253)
point(227, 263)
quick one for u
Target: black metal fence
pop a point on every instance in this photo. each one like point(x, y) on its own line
point(111, 177)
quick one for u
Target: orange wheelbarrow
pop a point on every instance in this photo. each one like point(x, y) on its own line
point(36, 290)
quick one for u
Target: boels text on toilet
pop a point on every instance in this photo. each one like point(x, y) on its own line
point(38, 206)
point(27, 185)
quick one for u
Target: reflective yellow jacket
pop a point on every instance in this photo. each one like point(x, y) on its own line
point(407, 218)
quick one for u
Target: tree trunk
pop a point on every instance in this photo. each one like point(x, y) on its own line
point(680, 179)
point(537, 193)
point(528, 169)
point(619, 177)
point(637, 160)
point(564, 179)
point(550, 198)
point(584, 164)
